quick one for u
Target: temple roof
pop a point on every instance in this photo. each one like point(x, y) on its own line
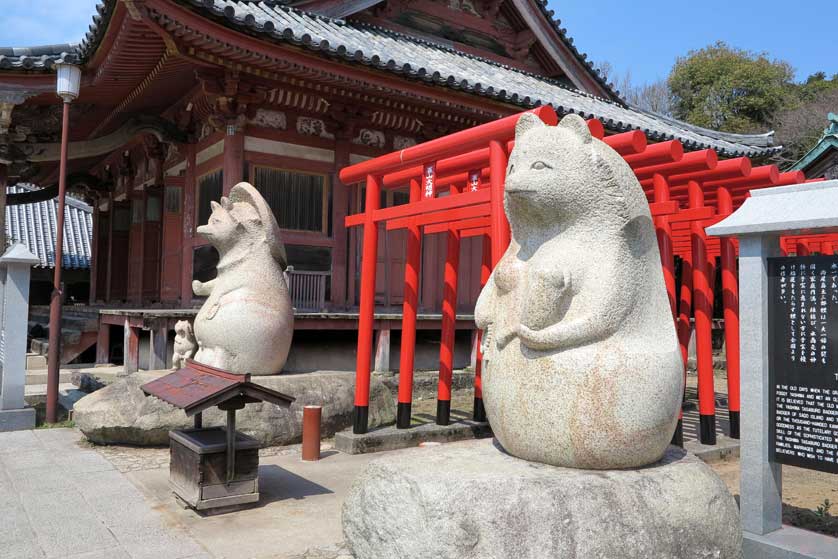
point(812, 163)
point(34, 225)
point(425, 60)
point(44, 57)
point(440, 63)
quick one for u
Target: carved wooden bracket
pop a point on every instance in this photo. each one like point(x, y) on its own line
point(233, 100)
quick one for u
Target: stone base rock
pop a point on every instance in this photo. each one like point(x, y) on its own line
point(471, 500)
point(121, 414)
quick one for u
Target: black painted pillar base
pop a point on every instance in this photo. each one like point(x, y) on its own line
point(479, 410)
point(403, 414)
point(734, 424)
point(678, 435)
point(360, 420)
point(707, 429)
point(443, 412)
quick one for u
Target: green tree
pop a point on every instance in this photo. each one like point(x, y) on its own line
point(729, 89)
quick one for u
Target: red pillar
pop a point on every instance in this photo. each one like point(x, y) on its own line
point(685, 306)
point(703, 323)
point(485, 270)
point(449, 323)
point(233, 161)
point(189, 218)
point(664, 231)
point(730, 300)
point(411, 301)
point(498, 223)
point(340, 206)
point(366, 314)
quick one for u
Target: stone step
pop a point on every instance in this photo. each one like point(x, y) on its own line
point(35, 361)
point(39, 376)
point(41, 345)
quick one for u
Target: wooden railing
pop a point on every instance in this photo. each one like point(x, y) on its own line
point(308, 289)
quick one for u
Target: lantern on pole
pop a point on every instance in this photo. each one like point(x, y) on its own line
point(68, 83)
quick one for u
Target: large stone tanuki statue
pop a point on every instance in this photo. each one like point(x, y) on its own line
point(582, 367)
point(246, 323)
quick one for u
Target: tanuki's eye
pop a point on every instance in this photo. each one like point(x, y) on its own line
point(539, 165)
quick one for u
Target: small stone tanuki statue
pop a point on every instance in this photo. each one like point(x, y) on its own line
point(246, 323)
point(185, 344)
point(582, 366)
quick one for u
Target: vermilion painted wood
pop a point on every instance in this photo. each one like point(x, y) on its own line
point(499, 225)
point(692, 162)
point(730, 301)
point(454, 144)
point(446, 217)
point(475, 232)
point(664, 234)
point(460, 225)
point(449, 318)
point(411, 300)
point(729, 169)
point(425, 206)
point(766, 174)
point(367, 302)
point(703, 315)
point(596, 128)
point(657, 154)
point(627, 143)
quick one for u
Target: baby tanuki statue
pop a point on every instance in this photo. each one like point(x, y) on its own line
point(246, 323)
point(582, 385)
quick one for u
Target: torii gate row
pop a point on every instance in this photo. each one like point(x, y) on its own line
point(469, 168)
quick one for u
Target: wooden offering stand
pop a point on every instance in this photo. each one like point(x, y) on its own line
point(215, 466)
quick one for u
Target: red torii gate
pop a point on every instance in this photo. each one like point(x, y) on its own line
point(470, 166)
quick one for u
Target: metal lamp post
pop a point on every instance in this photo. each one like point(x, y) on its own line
point(67, 87)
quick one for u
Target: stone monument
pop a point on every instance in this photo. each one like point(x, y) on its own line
point(15, 267)
point(246, 324)
point(759, 223)
point(582, 386)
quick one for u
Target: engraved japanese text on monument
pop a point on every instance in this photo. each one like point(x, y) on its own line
point(803, 336)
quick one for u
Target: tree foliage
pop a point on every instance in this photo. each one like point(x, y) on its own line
point(729, 89)
point(801, 123)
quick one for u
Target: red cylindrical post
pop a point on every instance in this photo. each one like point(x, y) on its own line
point(703, 323)
point(664, 231)
point(366, 312)
point(449, 323)
point(411, 301)
point(485, 271)
point(730, 300)
point(54, 351)
point(311, 433)
point(499, 224)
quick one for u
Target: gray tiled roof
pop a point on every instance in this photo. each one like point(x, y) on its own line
point(30, 58)
point(438, 63)
point(34, 225)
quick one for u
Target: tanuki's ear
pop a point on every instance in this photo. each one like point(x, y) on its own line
point(527, 122)
point(214, 205)
point(578, 125)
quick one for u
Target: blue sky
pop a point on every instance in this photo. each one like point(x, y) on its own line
point(643, 37)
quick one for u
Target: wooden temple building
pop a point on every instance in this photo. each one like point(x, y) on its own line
point(182, 99)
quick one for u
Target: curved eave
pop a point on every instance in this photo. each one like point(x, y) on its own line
point(827, 143)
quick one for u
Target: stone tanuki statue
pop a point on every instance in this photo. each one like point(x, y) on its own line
point(581, 361)
point(185, 344)
point(246, 323)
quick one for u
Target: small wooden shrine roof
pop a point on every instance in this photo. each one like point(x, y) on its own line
point(197, 387)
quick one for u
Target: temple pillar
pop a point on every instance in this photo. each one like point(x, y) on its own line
point(131, 348)
point(103, 343)
point(188, 224)
point(94, 251)
point(157, 345)
point(233, 164)
point(340, 207)
point(109, 275)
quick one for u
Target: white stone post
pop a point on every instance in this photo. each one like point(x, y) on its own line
point(15, 267)
point(759, 223)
